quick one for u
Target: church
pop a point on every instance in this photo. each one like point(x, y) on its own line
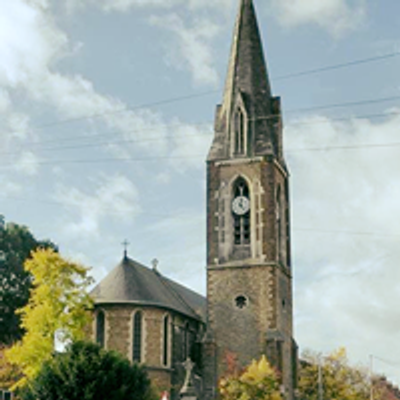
point(248, 310)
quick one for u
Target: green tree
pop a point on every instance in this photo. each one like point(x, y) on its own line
point(87, 372)
point(258, 382)
point(58, 303)
point(338, 380)
point(16, 245)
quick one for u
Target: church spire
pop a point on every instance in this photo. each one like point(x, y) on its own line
point(248, 90)
point(247, 70)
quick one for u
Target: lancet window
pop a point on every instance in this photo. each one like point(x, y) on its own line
point(100, 328)
point(137, 337)
point(241, 212)
point(166, 341)
point(240, 132)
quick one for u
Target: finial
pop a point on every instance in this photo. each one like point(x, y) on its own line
point(125, 244)
point(155, 263)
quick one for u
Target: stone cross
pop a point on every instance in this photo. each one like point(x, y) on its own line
point(188, 391)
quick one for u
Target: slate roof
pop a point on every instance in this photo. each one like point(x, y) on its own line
point(133, 283)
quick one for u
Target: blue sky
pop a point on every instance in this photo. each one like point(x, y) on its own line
point(107, 110)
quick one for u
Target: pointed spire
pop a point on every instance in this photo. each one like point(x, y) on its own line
point(247, 72)
point(248, 102)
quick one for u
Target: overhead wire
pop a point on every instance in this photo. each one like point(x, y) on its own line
point(173, 215)
point(198, 95)
point(176, 125)
point(338, 66)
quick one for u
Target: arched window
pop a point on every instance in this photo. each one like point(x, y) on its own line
point(241, 212)
point(166, 341)
point(137, 337)
point(240, 138)
point(100, 328)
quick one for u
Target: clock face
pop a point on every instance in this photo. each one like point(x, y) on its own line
point(240, 205)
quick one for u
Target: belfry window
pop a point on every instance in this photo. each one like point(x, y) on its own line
point(137, 337)
point(100, 328)
point(240, 134)
point(241, 212)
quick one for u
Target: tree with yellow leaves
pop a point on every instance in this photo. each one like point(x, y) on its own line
point(58, 303)
point(332, 378)
point(9, 373)
point(259, 381)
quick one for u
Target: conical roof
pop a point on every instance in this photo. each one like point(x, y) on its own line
point(247, 88)
point(133, 283)
point(247, 71)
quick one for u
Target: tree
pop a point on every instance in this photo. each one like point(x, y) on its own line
point(9, 373)
point(87, 372)
point(338, 380)
point(58, 303)
point(258, 382)
point(16, 245)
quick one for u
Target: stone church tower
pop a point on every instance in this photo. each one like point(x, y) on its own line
point(249, 275)
point(248, 311)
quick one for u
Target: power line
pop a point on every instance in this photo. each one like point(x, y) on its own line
point(198, 95)
point(116, 142)
point(152, 159)
point(163, 137)
point(338, 66)
point(344, 232)
point(169, 215)
point(107, 160)
point(126, 109)
point(392, 363)
point(342, 105)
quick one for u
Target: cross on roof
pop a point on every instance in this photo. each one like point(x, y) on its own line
point(125, 243)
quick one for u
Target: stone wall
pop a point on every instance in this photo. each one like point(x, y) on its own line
point(119, 337)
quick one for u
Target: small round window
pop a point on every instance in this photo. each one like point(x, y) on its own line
point(241, 302)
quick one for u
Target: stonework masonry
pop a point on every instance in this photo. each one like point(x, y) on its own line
point(248, 311)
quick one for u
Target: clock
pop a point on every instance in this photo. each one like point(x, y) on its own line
point(240, 205)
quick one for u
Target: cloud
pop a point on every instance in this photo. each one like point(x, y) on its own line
point(29, 43)
point(127, 5)
point(336, 16)
point(8, 187)
point(188, 228)
point(345, 233)
point(194, 47)
point(27, 163)
point(189, 146)
point(109, 198)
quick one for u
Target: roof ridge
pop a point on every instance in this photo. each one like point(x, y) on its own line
point(165, 282)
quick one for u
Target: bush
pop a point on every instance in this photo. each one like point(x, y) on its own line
point(87, 372)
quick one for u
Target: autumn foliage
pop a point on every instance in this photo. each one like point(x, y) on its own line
point(259, 381)
point(58, 303)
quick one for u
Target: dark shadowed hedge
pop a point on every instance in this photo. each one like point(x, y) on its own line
point(87, 372)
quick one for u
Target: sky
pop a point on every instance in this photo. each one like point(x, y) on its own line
point(107, 109)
